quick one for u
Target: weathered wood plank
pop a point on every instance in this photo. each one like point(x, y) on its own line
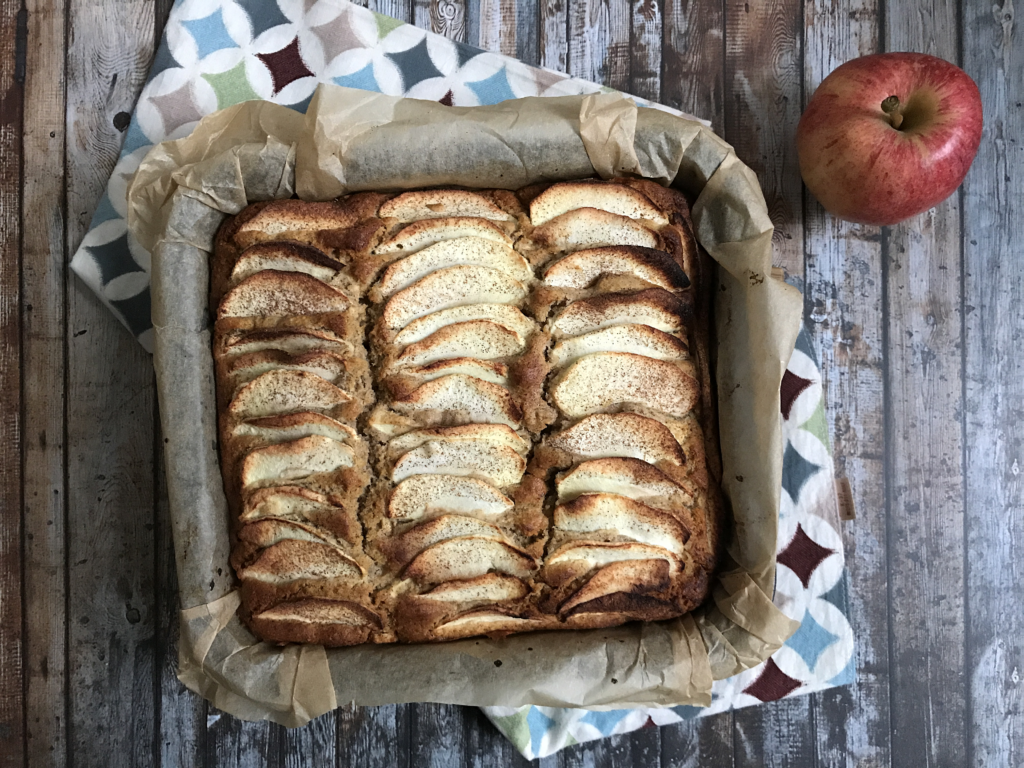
point(231, 742)
point(924, 437)
point(692, 67)
point(399, 9)
point(528, 31)
point(703, 743)
point(498, 26)
point(111, 410)
point(374, 737)
point(314, 744)
point(486, 746)
point(646, 33)
point(436, 736)
point(778, 733)
point(763, 50)
point(599, 41)
point(843, 309)
point(43, 359)
point(554, 30)
point(12, 651)
point(181, 717)
point(993, 218)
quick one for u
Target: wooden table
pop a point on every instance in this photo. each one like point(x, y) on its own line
point(918, 327)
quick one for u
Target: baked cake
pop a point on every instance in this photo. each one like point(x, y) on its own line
point(447, 413)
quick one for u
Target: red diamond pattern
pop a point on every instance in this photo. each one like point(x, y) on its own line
point(792, 386)
point(448, 99)
point(772, 683)
point(286, 65)
point(802, 555)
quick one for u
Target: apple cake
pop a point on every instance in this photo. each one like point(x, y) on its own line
point(446, 413)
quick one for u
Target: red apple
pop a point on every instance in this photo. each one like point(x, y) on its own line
point(887, 136)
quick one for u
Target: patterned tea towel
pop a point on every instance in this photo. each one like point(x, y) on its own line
point(216, 53)
point(811, 586)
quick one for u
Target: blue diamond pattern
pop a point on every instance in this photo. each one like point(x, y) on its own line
point(803, 343)
point(114, 259)
point(363, 79)
point(838, 595)
point(134, 138)
point(105, 212)
point(796, 470)
point(136, 311)
point(539, 724)
point(415, 64)
point(466, 52)
point(210, 33)
point(605, 722)
point(263, 15)
point(493, 89)
point(301, 106)
point(163, 60)
point(847, 676)
point(687, 712)
point(811, 640)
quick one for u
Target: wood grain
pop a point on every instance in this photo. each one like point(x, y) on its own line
point(374, 737)
point(993, 272)
point(436, 736)
point(599, 41)
point(843, 311)
point(498, 26)
point(181, 713)
point(111, 410)
point(12, 651)
point(646, 32)
point(692, 65)
point(924, 435)
point(554, 29)
point(43, 359)
point(763, 51)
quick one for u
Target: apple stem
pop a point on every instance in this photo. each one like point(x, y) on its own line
point(891, 107)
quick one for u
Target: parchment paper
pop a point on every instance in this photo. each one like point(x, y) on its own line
point(354, 140)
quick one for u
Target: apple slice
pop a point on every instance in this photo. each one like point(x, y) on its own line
point(596, 382)
point(451, 287)
point(292, 426)
point(628, 576)
point(440, 203)
point(489, 588)
point(486, 370)
point(638, 339)
point(326, 365)
point(499, 465)
point(480, 339)
point(402, 549)
point(655, 307)
point(606, 196)
point(300, 458)
point(289, 342)
point(471, 400)
point(630, 435)
point(284, 256)
point(628, 477)
point(504, 315)
point(482, 622)
point(279, 392)
point(466, 557)
point(592, 228)
point(292, 560)
point(476, 251)
point(273, 293)
point(419, 235)
point(497, 435)
point(423, 495)
point(578, 270)
point(594, 512)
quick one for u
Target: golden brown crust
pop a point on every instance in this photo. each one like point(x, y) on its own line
point(420, 523)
